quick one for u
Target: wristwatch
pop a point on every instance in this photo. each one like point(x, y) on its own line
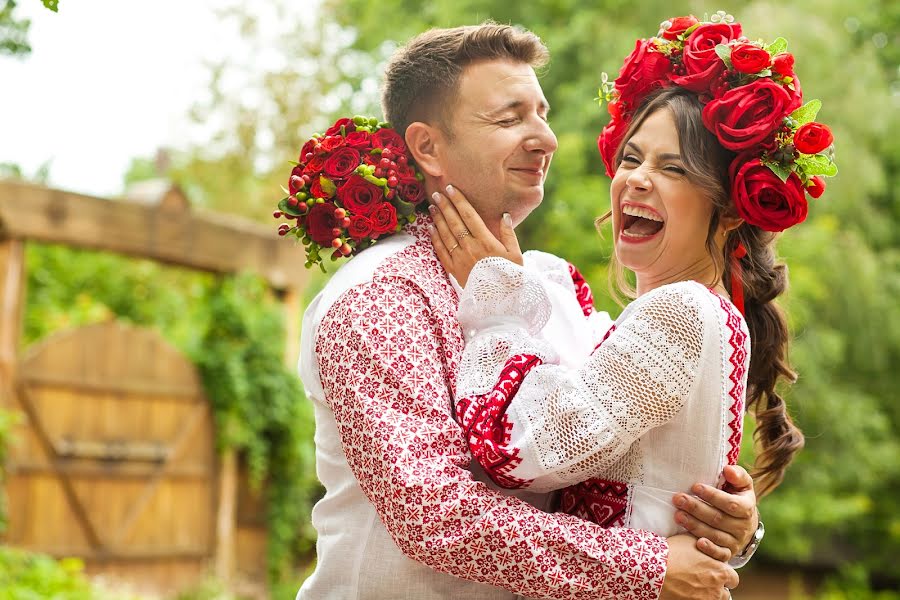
point(744, 557)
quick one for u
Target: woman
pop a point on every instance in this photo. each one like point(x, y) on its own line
point(660, 403)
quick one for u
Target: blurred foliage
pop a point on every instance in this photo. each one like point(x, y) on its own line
point(13, 31)
point(8, 420)
point(27, 576)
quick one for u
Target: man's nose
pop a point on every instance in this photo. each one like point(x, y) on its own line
point(541, 138)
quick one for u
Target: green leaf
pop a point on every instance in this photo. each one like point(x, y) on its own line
point(327, 186)
point(779, 169)
point(283, 207)
point(724, 52)
point(777, 47)
point(806, 113)
point(52, 5)
point(817, 164)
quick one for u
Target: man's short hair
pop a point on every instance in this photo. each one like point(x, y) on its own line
point(421, 80)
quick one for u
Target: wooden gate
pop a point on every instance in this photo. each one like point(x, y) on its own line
point(114, 462)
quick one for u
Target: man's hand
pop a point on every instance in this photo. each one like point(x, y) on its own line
point(692, 575)
point(723, 521)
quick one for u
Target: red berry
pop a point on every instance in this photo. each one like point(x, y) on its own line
point(283, 229)
point(379, 172)
point(384, 163)
point(393, 181)
point(339, 213)
point(386, 153)
point(293, 202)
point(336, 254)
point(306, 178)
point(390, 194)
point(308, 156)
point(402, 160)
point(336, 243)
point(346, 249)
point(301, 206)
point(295, 183)
point(336, 232)
point(277, 214)
point(345, 222)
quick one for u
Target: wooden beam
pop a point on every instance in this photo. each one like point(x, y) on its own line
point(12, 292)
point(207, 242)
point(226, 516)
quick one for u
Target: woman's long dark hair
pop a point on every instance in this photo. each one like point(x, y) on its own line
point(764, 279)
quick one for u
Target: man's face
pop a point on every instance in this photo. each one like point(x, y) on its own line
point(500, 146)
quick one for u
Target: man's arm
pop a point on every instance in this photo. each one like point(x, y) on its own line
point(381, 365)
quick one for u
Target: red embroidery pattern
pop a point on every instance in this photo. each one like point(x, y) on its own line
point(582, 291)
point(597, 500)
point(738, 359)
point(487, 428)
point(386, 351)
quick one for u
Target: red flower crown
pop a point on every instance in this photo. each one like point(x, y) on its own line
point(352, 186)
point(752, 103)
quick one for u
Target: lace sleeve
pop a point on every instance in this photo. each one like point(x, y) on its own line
point(535, 424)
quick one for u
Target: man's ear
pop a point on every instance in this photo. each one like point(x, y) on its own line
point(423, 142)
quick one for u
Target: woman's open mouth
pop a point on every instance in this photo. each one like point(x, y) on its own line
point(639, 223)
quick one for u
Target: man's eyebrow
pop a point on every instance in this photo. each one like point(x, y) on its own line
point(513, 105)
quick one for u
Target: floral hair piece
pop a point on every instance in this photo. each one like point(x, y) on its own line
point(753, 104)
point(352, 186)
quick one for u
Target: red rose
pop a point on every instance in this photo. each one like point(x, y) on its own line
point(314, 166)
point(308, 148)
point(346, 123)
point(608, 143)
point(320, 221)
point(360, 227)
point(384, 218)
point(679, 25)
point(411, 190)
point(812, 138)
point(783, 64)
point(359, 196)
point(315, 189)
point(750, 59)
point(815, 187)
point(699, 59)
point(762, 199)
point(359, 140)
point(388, 138)
point(342, 163)
point(796, 93)
point(332, 142)
point(642, 71)
point(747, 115)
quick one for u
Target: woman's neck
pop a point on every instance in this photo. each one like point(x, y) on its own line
point(703, 273)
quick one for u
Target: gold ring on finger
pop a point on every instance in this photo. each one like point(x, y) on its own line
point(452, 249)
point(462, 234)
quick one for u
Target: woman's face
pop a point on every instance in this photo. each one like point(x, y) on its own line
point(660, 219)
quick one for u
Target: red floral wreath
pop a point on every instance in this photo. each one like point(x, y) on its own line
point(352, 186)
point(752, 103)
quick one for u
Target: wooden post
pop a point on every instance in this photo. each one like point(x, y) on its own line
point(291, 301)
point(12, 294)
point(226, 515)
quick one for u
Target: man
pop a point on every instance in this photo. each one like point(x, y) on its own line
point(403, 516)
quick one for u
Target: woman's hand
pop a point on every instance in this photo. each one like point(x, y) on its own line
point(461, 238)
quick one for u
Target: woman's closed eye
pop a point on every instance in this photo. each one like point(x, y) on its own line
point(674, 169)
point(631, 159)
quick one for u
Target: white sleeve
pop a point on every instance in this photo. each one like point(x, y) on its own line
point(531, 422)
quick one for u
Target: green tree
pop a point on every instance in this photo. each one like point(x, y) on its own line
point(13, 31)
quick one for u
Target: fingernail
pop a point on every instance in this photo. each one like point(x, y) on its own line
point(680, 518)
point(432, 208)
point(436, 197)
point(449, 189)
point(680, 501)
point(697, 489)
point(507, 219)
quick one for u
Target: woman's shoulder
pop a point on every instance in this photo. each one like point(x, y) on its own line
point(686, 305)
